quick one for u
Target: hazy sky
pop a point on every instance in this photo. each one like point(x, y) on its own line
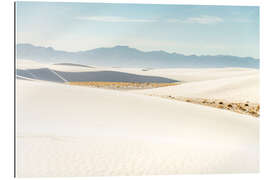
point(200, 30)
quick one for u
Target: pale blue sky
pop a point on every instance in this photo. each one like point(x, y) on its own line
point(200, 30)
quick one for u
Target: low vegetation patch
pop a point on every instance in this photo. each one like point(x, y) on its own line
point(248, 108)
point(122, 85)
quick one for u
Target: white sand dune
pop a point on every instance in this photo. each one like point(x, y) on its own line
point(74, 72)
point(180, 74)
point(70, 68)
point(67, 130)
point(24, 64)
point(29, 64)
point(188, 75)
point(233, 89)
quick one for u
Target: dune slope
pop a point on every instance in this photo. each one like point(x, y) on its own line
point(233, 89)
point(67, 130)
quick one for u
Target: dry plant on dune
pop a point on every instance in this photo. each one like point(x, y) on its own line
point(122, 85)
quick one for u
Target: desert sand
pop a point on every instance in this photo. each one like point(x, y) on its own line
point(239, 89)
point(66, 130)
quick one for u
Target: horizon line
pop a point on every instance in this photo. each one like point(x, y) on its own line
point(136, 49)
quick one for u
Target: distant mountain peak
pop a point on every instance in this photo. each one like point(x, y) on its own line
point(125, 56)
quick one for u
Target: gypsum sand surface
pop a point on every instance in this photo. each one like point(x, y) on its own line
point(248, 108)
point(67, 130)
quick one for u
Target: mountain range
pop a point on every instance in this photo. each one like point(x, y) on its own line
point(124, 56)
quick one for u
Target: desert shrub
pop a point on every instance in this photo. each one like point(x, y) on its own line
point(258, 108)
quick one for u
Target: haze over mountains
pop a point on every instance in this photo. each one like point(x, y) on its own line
point(124, 56)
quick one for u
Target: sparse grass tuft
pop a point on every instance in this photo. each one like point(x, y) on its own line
point(243, 108)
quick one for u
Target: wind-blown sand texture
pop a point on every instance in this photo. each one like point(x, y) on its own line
point(238, 89)
point(65, 130)
point(77, 131)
